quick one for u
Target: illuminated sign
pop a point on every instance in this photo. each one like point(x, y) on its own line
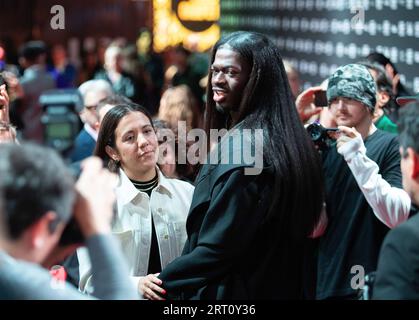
point(193, 23)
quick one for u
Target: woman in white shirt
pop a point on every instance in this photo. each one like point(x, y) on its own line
point(151, 209)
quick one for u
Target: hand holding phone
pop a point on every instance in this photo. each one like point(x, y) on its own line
point(305, 105)
point(320, 98)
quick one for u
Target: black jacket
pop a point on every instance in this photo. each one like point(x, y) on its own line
point(397, 274)
point(232, 252)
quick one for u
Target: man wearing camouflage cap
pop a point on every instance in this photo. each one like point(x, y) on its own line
point(364, 195)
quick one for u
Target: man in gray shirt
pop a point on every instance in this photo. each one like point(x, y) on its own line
point(37, 199)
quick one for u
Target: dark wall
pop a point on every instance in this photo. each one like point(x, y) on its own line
point(319, 35)
point(21, 20)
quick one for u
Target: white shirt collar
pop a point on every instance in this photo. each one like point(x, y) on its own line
point(126, 191)
point(92, 132)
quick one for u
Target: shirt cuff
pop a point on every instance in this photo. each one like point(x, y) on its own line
point(351, 148)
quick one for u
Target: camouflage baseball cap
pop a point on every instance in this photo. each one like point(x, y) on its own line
point(353, 81)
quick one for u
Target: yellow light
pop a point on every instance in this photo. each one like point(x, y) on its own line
point(169, 31)
point(199, 10)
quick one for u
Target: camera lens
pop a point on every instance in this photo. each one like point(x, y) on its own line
point(314, 131)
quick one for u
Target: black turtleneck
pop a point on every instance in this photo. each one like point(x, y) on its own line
point(154, 264)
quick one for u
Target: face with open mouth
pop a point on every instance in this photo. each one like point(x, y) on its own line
point(229, 76)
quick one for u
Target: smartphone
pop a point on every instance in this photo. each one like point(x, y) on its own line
point(320, 98)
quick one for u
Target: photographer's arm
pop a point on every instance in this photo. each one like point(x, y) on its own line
point(305, 104)
point(94, 213)
point(391, 205)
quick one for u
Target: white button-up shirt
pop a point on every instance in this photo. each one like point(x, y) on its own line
point(169, 205)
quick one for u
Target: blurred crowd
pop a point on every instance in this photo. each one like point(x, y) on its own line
point(190, 230)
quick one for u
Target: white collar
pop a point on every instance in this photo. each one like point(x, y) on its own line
point(92, 132)
point(126, 191)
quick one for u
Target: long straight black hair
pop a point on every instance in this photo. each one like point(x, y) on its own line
point(267, 103)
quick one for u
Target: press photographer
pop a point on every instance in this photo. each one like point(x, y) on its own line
point(33, 215)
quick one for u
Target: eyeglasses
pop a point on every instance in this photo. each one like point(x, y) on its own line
point(90, 108)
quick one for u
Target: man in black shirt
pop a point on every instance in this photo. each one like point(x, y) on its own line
point(363, 192)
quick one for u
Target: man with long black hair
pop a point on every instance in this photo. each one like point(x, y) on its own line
point(248, 233)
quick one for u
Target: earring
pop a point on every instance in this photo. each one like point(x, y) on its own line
point(113, 165)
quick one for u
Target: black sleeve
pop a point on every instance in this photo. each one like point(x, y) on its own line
point(390, 168)
point(229, 225)
point(397, 274)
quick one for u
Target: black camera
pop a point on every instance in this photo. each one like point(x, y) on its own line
point(61, 127)
point(320, 135)
point(71, 234)
point(60, 118)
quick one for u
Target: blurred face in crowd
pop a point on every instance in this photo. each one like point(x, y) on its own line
point(409, 165)
point(5, 133)
point(91, 99)
point(136, 146)
point(59, 55)
point(113, 59)
point(167, 160)
point(229, 76)
point(294, 82)
point(167, 155)
point(382, 96)
point(349, 112)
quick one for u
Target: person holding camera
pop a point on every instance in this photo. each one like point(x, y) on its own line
point(38, 198)
point(151, 208)
point(364, 198)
